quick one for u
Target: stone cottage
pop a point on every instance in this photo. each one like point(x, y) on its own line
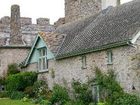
point(108, 39)
point(16, 37)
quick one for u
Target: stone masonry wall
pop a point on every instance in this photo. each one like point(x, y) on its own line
point(77, 9)
point(8, 56)
point(123, 66)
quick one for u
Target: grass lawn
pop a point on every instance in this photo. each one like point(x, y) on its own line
point(13, 102)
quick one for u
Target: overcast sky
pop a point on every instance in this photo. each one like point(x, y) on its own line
point(52, 9)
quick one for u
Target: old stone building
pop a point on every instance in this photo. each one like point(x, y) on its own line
point(16, 37)
point(109, 39)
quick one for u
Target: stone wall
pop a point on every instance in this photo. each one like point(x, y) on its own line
point(43, 21)
point(123, 66)
point(11, 55)
point(25, 21)
point(77, 9)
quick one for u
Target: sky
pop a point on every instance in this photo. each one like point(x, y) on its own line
point(53, 9)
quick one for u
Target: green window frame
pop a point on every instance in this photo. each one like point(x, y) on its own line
point(42, 60)
point(84, 62)
point(109, 57)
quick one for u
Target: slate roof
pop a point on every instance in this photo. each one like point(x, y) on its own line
point(112, 26)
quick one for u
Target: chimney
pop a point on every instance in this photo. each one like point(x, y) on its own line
point(15, 26)
point(107, 3)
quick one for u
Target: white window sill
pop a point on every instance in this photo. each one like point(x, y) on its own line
point(110, 64)
point(43, 71)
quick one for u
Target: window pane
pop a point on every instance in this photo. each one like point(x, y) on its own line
point(83, 62)
point(44, 52)
point(39, 65)
point(44, 64)
point(109, 55)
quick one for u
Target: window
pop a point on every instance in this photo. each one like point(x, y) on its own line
point(110, 57)
point(96, 93)
point(84, 62)
point(0, 63)
point(43, 62)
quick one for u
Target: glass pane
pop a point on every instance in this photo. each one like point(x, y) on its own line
point(44, 64)
point(83, 61)
point(39, 65)
point(44, 51)
point(40, 53)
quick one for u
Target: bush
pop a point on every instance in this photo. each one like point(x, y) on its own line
point(18, 82)
point(82, 92)
point(16, 95)
point(78, 102)
point(3, 94)
point(127, 99)
point(40, 88)
point(114, 94)
point(59, 95)
point(2, 81)
point(12, 69)
point(109, 87)
point(29, 91)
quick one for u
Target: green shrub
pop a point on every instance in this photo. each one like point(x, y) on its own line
point(82, 92)
point(3, 94)
point(2, 81)
point(108, 86)
point(12, 69)
point(40, 101)
point(127, 99)
point(16, 95)
point(25, 99)
point(59, 95)
point(18, 82)
point(29, 91)
point(40, 88)
point(77, 102)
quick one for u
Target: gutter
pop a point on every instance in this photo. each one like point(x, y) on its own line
point(14, 47)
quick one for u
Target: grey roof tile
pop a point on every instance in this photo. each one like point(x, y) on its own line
point(112, 25)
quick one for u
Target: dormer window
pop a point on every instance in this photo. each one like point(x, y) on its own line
point(42, 62)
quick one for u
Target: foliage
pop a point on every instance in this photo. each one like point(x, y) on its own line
point(111, 90)
point(25, 99)
point(2, 81)
point(12, 69)
point(77, 102)
point(20, 81)
point(109, 87)
point(40, 101)
point(40, 88)
point(29, 91)
point(82, 92)
point(3, 94)
point(16, 95)
point(59, 95)
point(7, 101)
point(127, 99)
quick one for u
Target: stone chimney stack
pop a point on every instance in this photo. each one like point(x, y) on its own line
point(107, 3)
point(78, 9)
point(15, 26)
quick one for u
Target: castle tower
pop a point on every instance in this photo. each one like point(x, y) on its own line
point(15, 26)
point(106, 3)
point(77, 9)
